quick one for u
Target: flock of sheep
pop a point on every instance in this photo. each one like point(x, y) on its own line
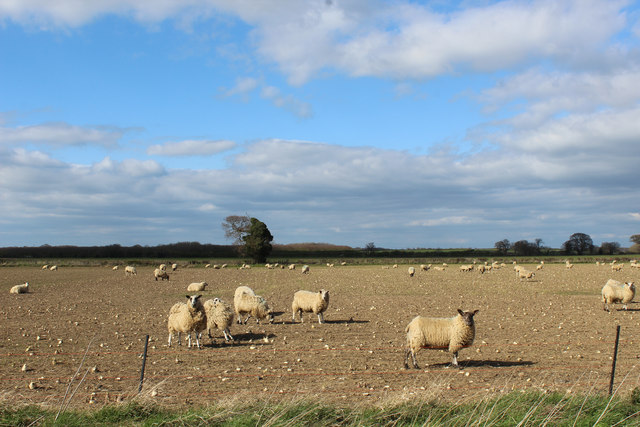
point(451, 334)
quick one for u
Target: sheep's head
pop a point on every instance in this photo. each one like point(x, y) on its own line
point(324, 295)
point(467, 316)
point(631, 286)
point(194, 300)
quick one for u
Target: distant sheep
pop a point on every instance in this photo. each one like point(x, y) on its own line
point(467, 267)
point(525, 274)
point(160, 274)
point(219, 316)
point(20, 289)
point(616, 267)
point(568, 265)
point(197, 286)
point(411, 271)
point(424, 267)
point(305, 269)
point(310, 302)
point(130, 270)
point(292, 267)
point(53, 268)
point(115, 267)
point(617, 292)
point(189, 317)
point(174, 267)
point(45, 267)
point(163, 266)
point(453, 334)
point(245, 301)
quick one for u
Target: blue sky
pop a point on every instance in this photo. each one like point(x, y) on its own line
point(403, 123)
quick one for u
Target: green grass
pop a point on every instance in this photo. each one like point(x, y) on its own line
point(517, 408)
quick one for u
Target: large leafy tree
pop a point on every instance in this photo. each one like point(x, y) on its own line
point(503, 246)
point(578, 242)
point(257, 242)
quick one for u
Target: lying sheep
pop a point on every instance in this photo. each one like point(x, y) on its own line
point(617, 267)
point(247, 302)
point(452, 333)
point(130, 271)
point(20, 289)
point(219, 316)
point(468, 267)
point(197, 286)
point(411, 271)
point(115, 268)
point(189, 317)
point(310, 302)
point(525, 274)
point(617, 292)
point(162, 274)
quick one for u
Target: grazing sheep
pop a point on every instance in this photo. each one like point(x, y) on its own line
point(130, 271)
point(616, 267)
point(568, 265)
point(452, 333)
point(162, 274)
point(189, 317)
point(163, 266)
point(525, 274)
point(424, 267)
point(115, 268)
point(468, 267)
point(45, 267)
point(207, 265)
point(292, 267)
point(219, 316)
point(53, 268)
point(617, 292)
point(305, 269)
point(540, 266)
point(411, 271)
point(20, 289)
point(197, 286)
point(481, 268)
point(310, 302)
point(438, 268)
point(245, 301)
point(174, 267)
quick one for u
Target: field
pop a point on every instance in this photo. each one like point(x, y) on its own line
point(81, 331)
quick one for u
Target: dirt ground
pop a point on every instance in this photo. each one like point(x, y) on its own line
point(80, 332)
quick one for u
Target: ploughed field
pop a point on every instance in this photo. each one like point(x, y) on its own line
point(81, 331)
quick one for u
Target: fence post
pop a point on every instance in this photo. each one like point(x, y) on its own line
point(615, 356)
point(144, 361)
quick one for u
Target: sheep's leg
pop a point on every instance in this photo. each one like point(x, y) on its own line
point(227, 335)
point(320, 318)
point(293, 316)
point(189, 338)
point(413, 358)
point(170, 339)
point(247, 319)
point(198, 335)
point(454, 361)
point(179, 341)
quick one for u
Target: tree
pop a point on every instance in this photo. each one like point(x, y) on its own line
point(609, 248)
point(523, 247)
point(370, 248)
point(257, 242)
point(579, 243)
point(635, 239)
point(503, 246)
point(236, 227)
point(635, 248)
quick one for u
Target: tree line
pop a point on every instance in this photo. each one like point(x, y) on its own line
point(578, 244)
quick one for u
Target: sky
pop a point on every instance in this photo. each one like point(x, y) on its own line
point(407, 124)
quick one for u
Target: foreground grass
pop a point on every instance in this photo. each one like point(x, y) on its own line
point(533, 409)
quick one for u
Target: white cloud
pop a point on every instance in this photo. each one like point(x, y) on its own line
point(60, 135)
point(191, 148)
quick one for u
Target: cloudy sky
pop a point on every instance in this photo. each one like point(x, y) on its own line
point(403, 123)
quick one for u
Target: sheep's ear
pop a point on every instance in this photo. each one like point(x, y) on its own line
point(460, 312)
point(188, 296)
point(198, 296)
point(475, 312)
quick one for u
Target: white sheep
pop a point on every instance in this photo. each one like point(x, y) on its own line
point(162, 274)
point(53, 268)
point(424, 267)
point(163, 266)
point(197, 286)
point(616, 267)
point(130, 270)
point(614, 292)
point(174, 267)
point(219, 316)
point(292, 267)
point(189, 317)
point(45, 267)
point(245, 301)
point(310, 302)
point(115, 267)
point(20, 289)
point(467, 267)
point(305, 269)
point(453, 334)
point(411, 271)
point(525, 274)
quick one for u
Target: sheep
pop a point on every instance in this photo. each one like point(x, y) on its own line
point(174, 267)
point(115, 267)
point(163, 266)
point(616, 267)
point(53, 268)
point(45, 267)
point(197, 286)
point(568, 265)
point(20, 289)
point(614, 292)
point(305, 269)
point(525, 274)
point(130, 270)
point(220, 316)
point(162, 274)
point(438, 268)
point(189, 317)
point(468, 267)
point(207, 265)
point(310, 302)
point(540, 266)
point(452, 333)
point(292, 267)
point(246, 301)
point(411, 271)
point(424, 267)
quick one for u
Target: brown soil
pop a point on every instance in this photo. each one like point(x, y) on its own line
point(549, 333)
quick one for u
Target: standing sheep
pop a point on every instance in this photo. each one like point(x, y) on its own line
point(247, 302)
point(452, 333)
point(174, 267)
point(614, 292)
point(189, 317)
point(412, 271)
point(197, 286)
point(130, 271)
point(20, 289)
point(219, 316)
point(310, 302)
point(162, 274)
point(305, 269)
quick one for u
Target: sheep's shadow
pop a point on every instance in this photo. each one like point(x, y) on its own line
point(330, 322)
point(486, 363)
point(240, 340)
point(629, 309)
point(347, 321)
